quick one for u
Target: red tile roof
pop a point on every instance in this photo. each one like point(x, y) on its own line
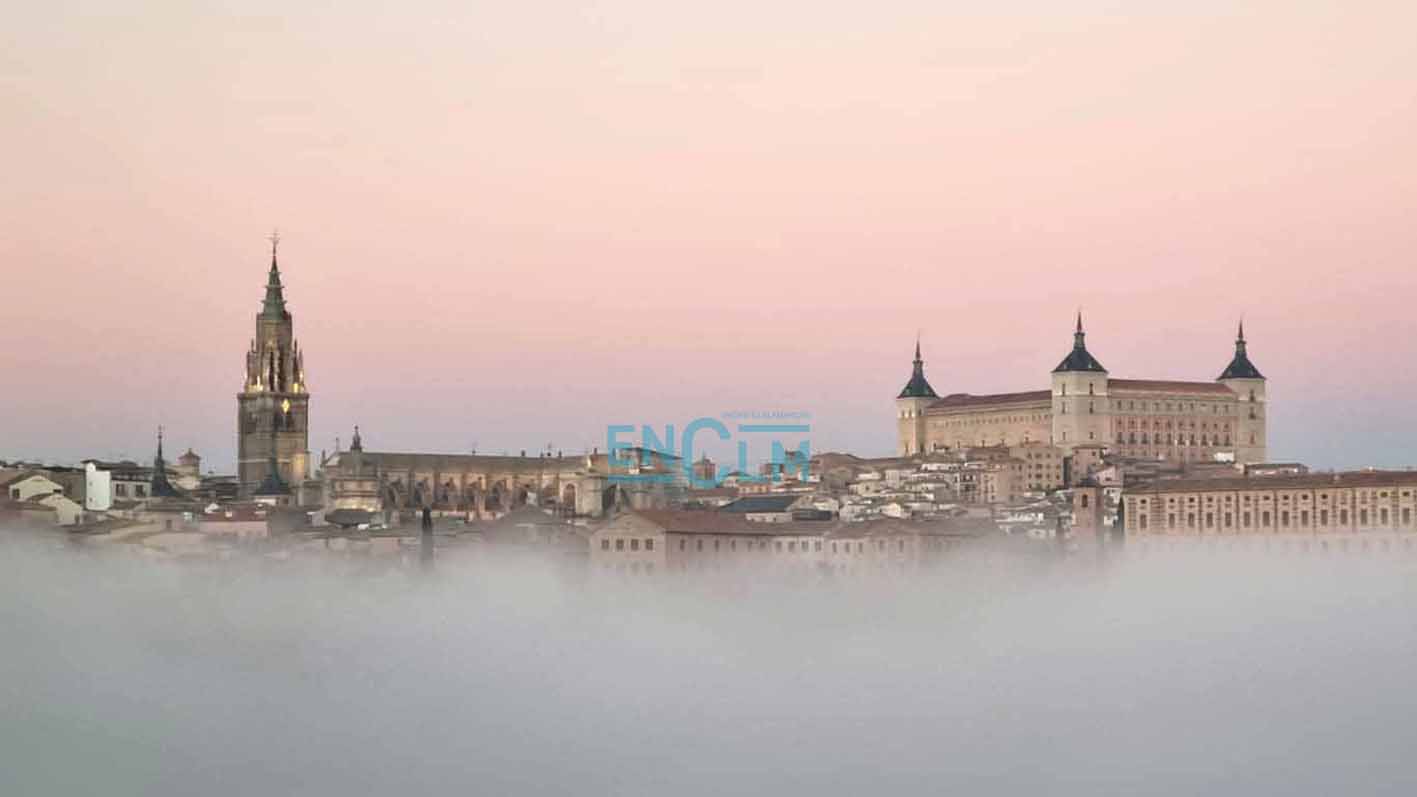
point(1167, 386)
point(1305, 481)
point(956, 401)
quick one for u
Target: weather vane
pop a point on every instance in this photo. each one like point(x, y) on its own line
point(274, 238)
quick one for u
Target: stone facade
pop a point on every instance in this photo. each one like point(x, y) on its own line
point(484, 486)
point(1084, 406)
point(1366, 502)
point(273, 408)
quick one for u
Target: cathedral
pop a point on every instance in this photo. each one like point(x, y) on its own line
point(273, 408)
point(274, 464)
point(1085, 406)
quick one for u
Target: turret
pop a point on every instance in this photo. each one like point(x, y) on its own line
point(1245, 379)
point(914, 399)
point(1079, 396)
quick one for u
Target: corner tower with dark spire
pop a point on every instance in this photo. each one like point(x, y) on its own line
point(1245, 379)
point(914, 399)
point(272, 421)
point(1080, 408)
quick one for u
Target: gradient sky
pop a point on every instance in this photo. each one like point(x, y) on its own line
point(512, 224)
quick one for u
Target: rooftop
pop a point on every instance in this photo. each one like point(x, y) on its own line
point(1168, 386)
point(1304, 481)
point(956, 401)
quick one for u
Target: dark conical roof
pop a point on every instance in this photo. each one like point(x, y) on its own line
point(1079, 359)
point(917, 387)
point(1240, 366)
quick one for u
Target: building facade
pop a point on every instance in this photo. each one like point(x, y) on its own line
point(273, 408)
point(1358, 502)
point(1085, 407)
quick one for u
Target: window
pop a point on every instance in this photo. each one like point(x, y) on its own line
point(698, 545)
point(140, 490)
point(619, 545)
point(1264, 519)
point(649, 545)
point(634, 545)
point(118, 489)
point(817, 546)
point(605, 545)
point(900, 545)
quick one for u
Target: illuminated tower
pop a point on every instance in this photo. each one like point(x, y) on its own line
point(272, 418)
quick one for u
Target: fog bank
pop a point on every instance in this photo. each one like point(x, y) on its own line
point(1178, 674)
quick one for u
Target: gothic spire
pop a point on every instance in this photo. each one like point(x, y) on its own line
point(274, 306)
point(917, 387)
point(160, 487)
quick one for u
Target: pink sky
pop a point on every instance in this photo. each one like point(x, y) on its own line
point(516, 223)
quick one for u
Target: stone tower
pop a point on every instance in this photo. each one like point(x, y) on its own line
point(1245, 379)
point(910, 408)
point(1080, 408)
point(272, 418)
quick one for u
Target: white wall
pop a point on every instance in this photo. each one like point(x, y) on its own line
point(98, 489)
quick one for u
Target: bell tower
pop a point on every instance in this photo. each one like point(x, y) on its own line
point(272, 417)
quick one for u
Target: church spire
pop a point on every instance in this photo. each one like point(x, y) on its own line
point(274, 306)
point(160, 487)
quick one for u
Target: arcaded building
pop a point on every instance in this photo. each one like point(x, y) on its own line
point(1085, 407)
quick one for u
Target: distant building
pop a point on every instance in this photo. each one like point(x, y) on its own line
point(649, 542)
point(1354, 502)
point(484, 486)
point(1085, 406)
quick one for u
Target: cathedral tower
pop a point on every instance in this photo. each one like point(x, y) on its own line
point(1245, 379)
point(272, 418)
point(1080, 408)
point(910, 408)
